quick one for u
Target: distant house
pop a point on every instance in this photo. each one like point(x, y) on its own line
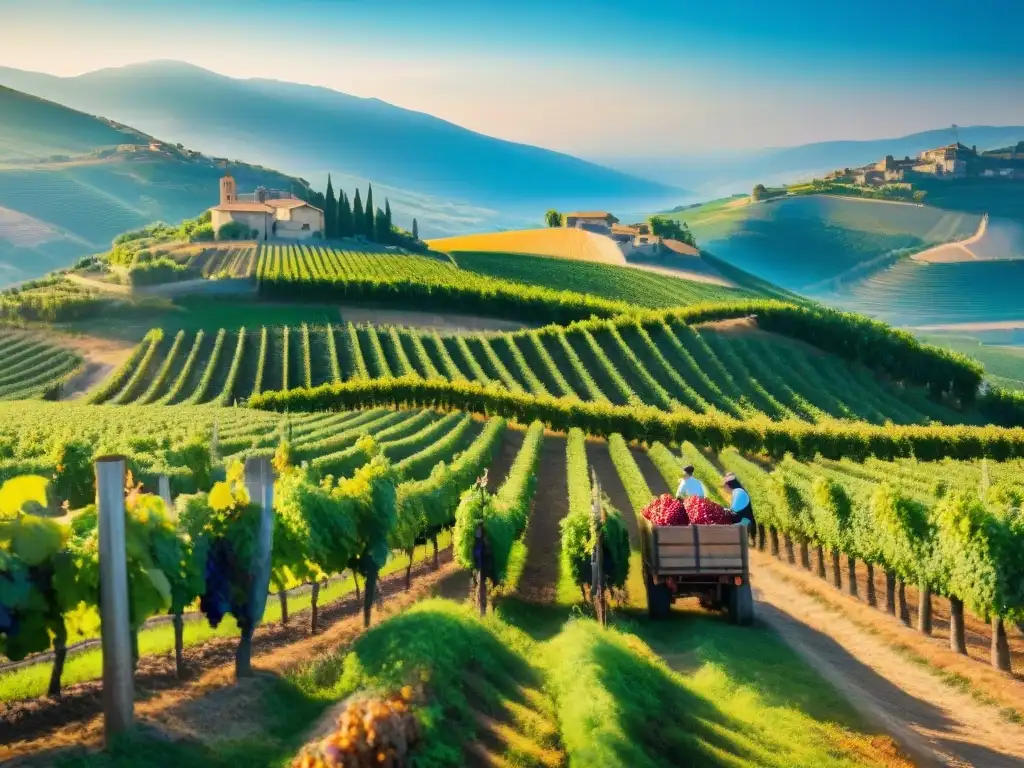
point(623, 234)
point(592, 221)
point(269, 214)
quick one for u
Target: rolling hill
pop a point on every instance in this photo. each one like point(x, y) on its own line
point(811, 244)
point(560, 242)
point(71, 182)
point(311, 129)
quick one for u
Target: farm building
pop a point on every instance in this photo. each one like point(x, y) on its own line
point(592, 221)
point(269, 214)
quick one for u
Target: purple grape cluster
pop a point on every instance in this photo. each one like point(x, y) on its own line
point(216, 599)
point(8, 620)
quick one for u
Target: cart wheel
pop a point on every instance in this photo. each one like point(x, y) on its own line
point(741, 606)
point(659, 599)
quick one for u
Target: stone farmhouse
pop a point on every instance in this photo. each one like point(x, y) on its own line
point(268, 213)
point(600, 222)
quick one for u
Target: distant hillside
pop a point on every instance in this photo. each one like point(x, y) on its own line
point(53, 211)
point(737, 172)
point(35, 129)
point(808, 244)
point(316, 129)
point(856, 254)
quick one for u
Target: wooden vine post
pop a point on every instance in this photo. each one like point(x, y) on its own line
point(116, 641)
point(259, 482)
point(597, 590)
point(480, 555)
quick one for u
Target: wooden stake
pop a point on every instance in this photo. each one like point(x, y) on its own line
point(1000, 646)
point(957, 635)
point(163, 485)
point(871, 598)
point(116, 640)
point(924, 609)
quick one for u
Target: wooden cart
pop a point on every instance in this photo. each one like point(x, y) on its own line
point(704, 561)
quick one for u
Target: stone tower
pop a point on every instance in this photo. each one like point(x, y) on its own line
point(228, 189)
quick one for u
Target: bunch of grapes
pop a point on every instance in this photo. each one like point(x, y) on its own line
point(220, 568)
point(375, 732)
point(666, 510)
point(8, 621)
point(706, 512)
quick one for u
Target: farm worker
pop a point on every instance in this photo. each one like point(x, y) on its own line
point(689, 485)
point(740, 505)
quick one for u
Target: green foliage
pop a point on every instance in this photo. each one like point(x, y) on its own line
point(672, 229)
point(503, 515)
point(579, 529)
point(234, 230)
point(153, 271)
point(553, 218)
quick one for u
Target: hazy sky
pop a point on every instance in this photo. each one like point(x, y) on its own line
point(582, 76)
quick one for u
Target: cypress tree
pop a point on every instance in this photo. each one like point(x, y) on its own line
point(415, 230)
point(358, 218)
point(381, 227)
point(344, 216)
point(387, 212)
point(330, 211)
point(369, 212)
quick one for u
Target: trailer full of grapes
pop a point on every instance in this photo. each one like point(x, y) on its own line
point(704, 561)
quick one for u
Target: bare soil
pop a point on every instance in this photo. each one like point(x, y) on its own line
point(102, 356)
point(978, 633)
point(601, 461)
point(936, 723)
point(697, 272)
point(539, 580)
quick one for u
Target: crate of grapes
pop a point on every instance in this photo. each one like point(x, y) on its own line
point(684, 559)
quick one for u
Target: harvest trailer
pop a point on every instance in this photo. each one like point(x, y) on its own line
point(705, 561)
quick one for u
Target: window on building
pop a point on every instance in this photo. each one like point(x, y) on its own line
point(305, 226)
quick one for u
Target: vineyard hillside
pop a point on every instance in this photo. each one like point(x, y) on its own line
point(808, 244)
point(530, 288)
point(560, 242)
point(732, 369)
point(70, 183)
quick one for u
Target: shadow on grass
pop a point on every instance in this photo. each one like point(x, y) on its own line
point(755, 657)
point(617, 706)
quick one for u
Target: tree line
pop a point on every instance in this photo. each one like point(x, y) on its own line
point(356, 216)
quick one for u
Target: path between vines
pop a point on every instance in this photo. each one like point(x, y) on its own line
point(937, 724)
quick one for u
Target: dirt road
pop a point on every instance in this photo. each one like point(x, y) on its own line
point(936, 724)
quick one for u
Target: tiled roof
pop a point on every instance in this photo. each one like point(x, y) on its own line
point(588, 215)
point(244, 207)
point(290, 202)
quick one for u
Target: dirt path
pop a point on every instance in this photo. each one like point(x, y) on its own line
point(539, 581)
point(937, 724)
point(102, 356)
point(977, 633)
point(599, 458)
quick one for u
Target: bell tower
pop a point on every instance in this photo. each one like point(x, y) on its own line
point(228, 189)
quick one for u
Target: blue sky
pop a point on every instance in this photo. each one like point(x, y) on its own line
point(591, 78)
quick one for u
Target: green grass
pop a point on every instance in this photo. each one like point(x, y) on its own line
point(30, 682)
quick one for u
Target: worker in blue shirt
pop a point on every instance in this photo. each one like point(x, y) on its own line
point(740, 504)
